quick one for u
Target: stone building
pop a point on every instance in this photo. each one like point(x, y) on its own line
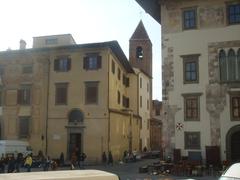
point(60, 96)
point(201, 77)
point(156, 126)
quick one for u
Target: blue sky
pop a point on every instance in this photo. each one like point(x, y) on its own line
point(87, 20)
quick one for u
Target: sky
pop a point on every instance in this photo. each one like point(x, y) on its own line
point(87, 20)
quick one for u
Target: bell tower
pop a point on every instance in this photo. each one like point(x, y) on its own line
point(140, 50)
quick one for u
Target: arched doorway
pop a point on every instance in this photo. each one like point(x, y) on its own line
point(233, 144)
point(75, 129)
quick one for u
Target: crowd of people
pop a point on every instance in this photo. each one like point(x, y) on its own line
point(10, 164)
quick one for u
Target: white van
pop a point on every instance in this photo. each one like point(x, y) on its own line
point(62, 175)
point(8, 147)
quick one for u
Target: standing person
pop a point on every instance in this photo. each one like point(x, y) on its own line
point(28, 163)
point(11, 164)
point(18, 161)
point(61, 159)
point(81, 158)
point(104, 158)
point(2, 164)
point(110, 158)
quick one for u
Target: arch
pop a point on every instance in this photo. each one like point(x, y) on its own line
point(75, 116)
point(139, 52)
point(233, 147)
point(223, 65)
point(231, 65)
point(238, 64)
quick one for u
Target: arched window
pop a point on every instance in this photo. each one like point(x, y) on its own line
point(75, 116)
point(231, 65)
point(223, 65)
point(238, 64)
point(139, 52)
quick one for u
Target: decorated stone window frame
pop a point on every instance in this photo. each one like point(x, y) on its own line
point(195, 96)
point(232, 95)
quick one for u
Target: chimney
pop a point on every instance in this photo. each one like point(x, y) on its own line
point(22, 44)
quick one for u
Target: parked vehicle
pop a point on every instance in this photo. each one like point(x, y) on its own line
point(62, 175)
point(232, 173)
point(13, 147)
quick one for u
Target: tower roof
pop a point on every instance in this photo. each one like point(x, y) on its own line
point(140, 32)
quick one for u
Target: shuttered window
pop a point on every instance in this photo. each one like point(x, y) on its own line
point(24, 95)
point(24, 127)
point(92, 62)
point(61, 93)
point(91, 92)
point(62, 64)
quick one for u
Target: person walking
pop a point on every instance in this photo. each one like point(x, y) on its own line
point(28, 163)
point(2, 164)
point(110, 158)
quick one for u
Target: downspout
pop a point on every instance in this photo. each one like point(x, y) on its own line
point(48, 90)
point(108, 138)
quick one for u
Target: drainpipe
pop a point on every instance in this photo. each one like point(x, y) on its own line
point(47, 104)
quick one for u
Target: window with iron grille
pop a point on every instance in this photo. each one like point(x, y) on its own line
point(192, 106)
point(61, 91)
point(24, 95)
point(235, 106)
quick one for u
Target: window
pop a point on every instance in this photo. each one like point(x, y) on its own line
point(235, 106)
point(27, 69)
point(125, 81)
point(119, 97)
point(140, 82)
point(24, 130)
point(191, 107)
point(91, 92)
point(190, 68)
point(119, 74)
point(125, 102)
point(233, 11)
point(147, 87)
point(189, 19)
point(92, 62)
point(113, 67)
point(192, 140)
point(62, 64)
point(139, 53)
point(24, 95)
point(51, 41)
point(140, 101)
point(229, 65)
point(157, 112)
point(1, 96)
point(223, 65)
point(61, 93)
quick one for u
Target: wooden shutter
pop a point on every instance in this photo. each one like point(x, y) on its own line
point(68, 64)
point(99, 62)
point(56, 64)
point(85, 63)
point(127, 82)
